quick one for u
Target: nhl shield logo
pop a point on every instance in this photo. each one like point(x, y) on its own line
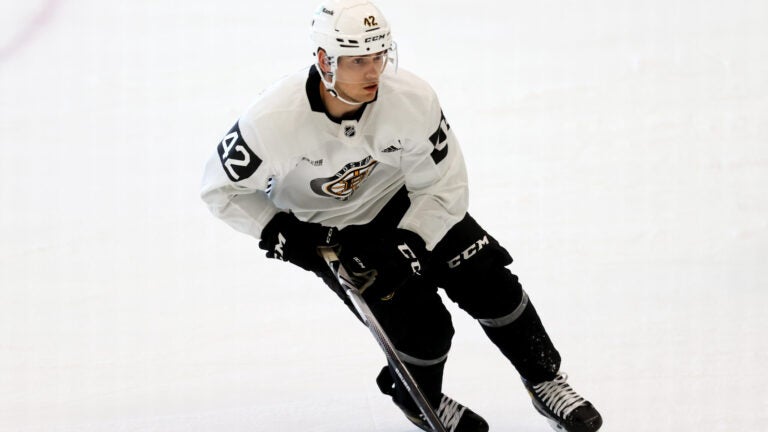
point(349, 131)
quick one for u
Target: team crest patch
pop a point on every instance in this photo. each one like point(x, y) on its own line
point(344, 183)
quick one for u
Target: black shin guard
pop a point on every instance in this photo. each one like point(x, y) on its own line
point(526, 344)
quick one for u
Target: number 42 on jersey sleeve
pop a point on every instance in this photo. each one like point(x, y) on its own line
point(237, 159)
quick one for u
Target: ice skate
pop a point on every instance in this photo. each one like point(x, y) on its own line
point(454, 416)
point(562, 406)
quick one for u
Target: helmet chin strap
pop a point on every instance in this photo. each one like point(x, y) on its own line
point(335, 94)
point(330, 86)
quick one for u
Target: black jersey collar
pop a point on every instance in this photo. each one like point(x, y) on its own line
point(316, 103)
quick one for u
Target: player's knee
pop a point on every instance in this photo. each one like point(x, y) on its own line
point(495, 295)
point(426, 346)
point(501, 317)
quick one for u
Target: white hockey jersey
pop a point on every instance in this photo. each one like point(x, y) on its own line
point(286, 154)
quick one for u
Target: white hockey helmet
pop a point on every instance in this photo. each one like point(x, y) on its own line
point(349, 28)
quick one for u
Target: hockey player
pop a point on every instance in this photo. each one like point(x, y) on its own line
point(347, 155)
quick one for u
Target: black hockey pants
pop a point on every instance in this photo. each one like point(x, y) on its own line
point(470, 265)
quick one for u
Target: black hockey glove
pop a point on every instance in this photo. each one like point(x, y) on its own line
point(287, 238)
point(386, 263)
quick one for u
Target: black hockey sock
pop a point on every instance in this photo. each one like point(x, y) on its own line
point(526, 344)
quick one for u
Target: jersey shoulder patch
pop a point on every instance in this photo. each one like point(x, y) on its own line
point(237, 159)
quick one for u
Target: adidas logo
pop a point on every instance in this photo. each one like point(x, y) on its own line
point(391, 149)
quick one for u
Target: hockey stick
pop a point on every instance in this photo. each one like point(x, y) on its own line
point(330, 257)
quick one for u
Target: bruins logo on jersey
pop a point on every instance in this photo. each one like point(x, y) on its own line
point(344, 183)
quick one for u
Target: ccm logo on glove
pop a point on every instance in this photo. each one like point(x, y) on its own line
point(288, 239)
point(410, 255)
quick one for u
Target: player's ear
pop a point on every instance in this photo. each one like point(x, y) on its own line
point(322, 60)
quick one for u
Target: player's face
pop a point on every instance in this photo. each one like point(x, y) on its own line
point(357, 77)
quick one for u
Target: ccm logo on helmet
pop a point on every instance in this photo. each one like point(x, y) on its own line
point(468, 252)
point(375, 38)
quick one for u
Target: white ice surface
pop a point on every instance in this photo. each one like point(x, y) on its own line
point(618, 149)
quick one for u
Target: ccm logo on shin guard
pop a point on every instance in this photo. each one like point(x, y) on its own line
point(468, 252)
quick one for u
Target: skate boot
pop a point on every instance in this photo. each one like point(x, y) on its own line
point(562, 406)
point(454, 416)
